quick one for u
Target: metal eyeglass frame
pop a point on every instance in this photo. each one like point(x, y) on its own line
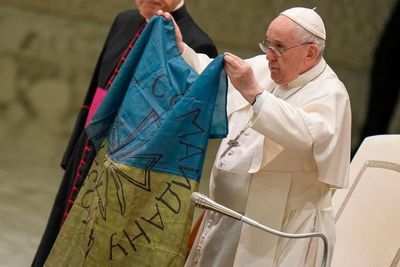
point(265, 46)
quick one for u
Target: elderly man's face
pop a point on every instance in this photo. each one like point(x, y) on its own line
point(281, 34)
point(148, 8)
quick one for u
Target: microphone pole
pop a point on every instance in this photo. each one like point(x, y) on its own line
point(204, 202)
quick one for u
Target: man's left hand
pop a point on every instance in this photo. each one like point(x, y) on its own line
point(178, 34)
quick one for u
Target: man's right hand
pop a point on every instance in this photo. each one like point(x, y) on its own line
point(242, 77)
point(178, 34)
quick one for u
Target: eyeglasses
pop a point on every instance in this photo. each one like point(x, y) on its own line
point(266, 46)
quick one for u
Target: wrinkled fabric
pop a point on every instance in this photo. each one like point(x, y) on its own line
point(151, 132)
point(168, 94)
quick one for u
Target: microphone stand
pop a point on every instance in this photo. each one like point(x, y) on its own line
point(204, 202)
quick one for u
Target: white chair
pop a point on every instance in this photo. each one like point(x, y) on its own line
point(367, 214)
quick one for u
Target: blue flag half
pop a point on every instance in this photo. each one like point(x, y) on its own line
point(158, 105)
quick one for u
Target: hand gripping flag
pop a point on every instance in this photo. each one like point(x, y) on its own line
point(151, 133)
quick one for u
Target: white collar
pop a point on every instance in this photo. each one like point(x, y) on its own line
point(307, 76)
point(181, 3)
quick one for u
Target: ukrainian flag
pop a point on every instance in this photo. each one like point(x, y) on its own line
point(151, 134)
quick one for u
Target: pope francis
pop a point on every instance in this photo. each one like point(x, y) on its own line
point(288, 146)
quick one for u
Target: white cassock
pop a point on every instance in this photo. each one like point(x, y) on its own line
point(295, 150)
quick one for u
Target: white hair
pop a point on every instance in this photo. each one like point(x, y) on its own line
point(308, 37)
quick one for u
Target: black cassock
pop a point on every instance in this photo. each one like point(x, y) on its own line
point(79, 154)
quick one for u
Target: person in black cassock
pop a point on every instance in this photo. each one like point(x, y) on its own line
point(79, 153)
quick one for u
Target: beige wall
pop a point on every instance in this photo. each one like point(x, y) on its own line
point(48, 49)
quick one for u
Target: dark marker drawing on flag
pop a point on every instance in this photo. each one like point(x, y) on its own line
point(151, 133)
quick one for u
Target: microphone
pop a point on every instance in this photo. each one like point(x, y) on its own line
point(204, 202)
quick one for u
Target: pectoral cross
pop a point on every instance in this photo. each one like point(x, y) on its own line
point(231, 144)
point(234, 142)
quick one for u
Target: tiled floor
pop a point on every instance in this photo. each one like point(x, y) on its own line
point(29, 177)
